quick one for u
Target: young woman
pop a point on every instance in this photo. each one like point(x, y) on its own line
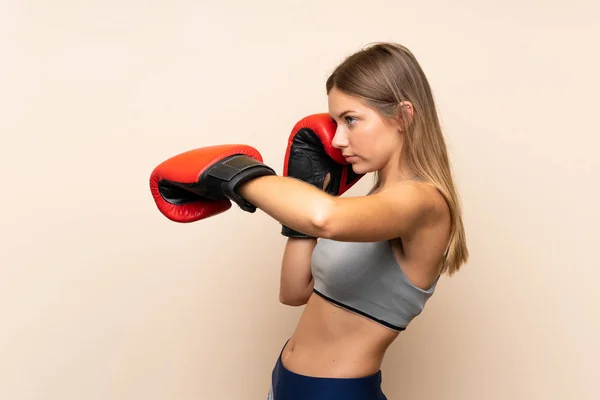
point(363, 266)
point(378, 257)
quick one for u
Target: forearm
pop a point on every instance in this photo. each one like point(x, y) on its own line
point(292, 202)
point(296, 282)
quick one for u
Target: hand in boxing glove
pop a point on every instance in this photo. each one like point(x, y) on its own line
point(311, 158)
point(202, 183)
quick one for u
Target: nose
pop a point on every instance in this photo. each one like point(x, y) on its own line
point(340, 139)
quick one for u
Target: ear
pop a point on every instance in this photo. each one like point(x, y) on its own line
point(406, 111)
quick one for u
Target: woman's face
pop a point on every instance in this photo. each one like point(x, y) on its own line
point(367, 140)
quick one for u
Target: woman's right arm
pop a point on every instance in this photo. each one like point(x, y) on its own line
point(296, 283)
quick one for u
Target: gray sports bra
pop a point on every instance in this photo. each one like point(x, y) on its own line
point(365, 278)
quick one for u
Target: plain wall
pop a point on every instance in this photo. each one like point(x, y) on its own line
point(102, 297)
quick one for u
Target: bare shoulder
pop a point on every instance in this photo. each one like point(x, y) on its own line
point(419, 250)
point(396, 211)
point(428, 199)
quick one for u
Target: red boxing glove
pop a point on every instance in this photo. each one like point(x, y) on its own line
point(310, 156)
point(202, 183)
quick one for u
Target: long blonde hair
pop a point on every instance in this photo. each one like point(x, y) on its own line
point(384, 75)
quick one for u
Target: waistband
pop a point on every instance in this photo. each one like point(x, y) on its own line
point(289, 385)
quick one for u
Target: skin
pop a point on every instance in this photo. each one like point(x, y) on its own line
point(330, 341)
point(373, 143)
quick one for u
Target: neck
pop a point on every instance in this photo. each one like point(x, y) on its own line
point(395, 172)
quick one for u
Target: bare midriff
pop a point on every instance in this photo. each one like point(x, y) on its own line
point(333, 342)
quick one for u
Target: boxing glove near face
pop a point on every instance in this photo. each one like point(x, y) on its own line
point(310, 157)
point(202, 183)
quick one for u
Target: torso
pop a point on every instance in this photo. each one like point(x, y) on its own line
point(330, 341)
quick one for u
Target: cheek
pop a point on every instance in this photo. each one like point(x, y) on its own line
point(363, 140)
point(374, 143)
point(388, 142)
point(380, 150)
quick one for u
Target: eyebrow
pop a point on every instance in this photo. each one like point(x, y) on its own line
point(344, 113)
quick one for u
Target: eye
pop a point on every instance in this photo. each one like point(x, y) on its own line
point(350, 120)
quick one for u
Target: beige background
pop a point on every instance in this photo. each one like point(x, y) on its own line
point(101, 297)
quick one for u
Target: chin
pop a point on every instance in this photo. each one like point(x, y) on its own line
point(361, 169)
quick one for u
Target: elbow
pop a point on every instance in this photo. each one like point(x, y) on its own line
point(296, 297)
point(321, 218)
point(292, 301)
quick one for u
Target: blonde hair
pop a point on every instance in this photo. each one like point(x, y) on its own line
point(384, 75)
